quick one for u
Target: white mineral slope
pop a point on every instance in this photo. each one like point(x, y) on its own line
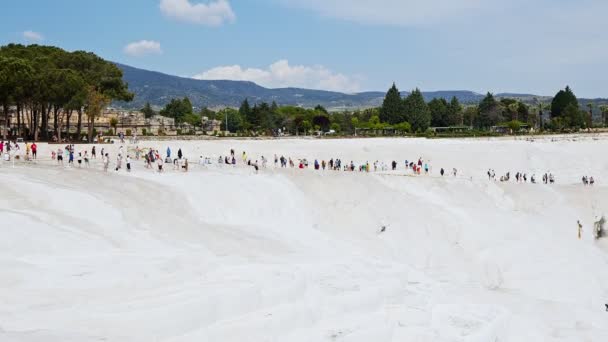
point(223, 254)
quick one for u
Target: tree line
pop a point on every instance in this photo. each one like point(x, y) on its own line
point(564, 112)
point(400, 114)
point(47, 85)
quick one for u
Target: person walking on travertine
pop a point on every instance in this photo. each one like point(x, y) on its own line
point(106, 162)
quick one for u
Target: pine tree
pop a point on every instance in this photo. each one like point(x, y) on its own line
point(245, 112)
point(439, 112)
point(148, 111)
point(417, 111)
point(392, 107)
point(255, 115)
point(454, 112)
point(523, 112)
point(186, 106)
point(321, 109)
point(562, 99)
point(489, 112)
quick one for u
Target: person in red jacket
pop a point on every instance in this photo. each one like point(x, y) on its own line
point(34, 150)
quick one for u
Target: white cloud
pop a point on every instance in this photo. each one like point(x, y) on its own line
point(212, 13)
point(280, 74)
point(33, 36)
point(142, 48)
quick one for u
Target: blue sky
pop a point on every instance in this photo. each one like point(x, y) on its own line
point(533, 46)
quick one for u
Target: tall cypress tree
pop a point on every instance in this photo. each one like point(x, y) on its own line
point(417, 111)
point(392, 107)
point(245, 111)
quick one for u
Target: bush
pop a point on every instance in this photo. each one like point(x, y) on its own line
point(128, 133)
point(404, 127)
point(144, 131)
point(514, 126)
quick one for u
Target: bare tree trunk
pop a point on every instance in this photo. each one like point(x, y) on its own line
point(91, 121)
point(18, 119)
point(67, 124)
point(6, 124)
point(33, 120)
point(59, 122)
point(43, 121)
point(35, 114)
point(47, 114)
point(56, 127)
point(79, 127)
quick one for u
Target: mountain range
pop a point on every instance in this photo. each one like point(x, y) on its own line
point(158, 89)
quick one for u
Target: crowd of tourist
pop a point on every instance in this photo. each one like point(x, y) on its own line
point(154, 160)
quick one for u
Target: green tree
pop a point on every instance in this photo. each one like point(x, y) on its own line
point(514, 126)
point(573, 117)
point(306, 126)
point(509, 109)
point(262, 117)
point(209, 113)
point(489, 112)
point(417, 111)
point(322, 121)
point(321, 109)
point(64, 91)
point(392, 110)
point(55, 77)
point(439, 112)
point(113, 124)
point(192, 119)
point(235, 120)
point(96, 102)
point(335, 127)
point(403, 127)
point(274, 107)
point(13, 72)
point(248, 114)
point(604, 110)
point(178, 110)
point(470, 115)
point(562, 99)
point(148, 111)
point(454, 113)
point(523, 112)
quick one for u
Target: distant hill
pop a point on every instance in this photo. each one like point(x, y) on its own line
point(158, 89)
